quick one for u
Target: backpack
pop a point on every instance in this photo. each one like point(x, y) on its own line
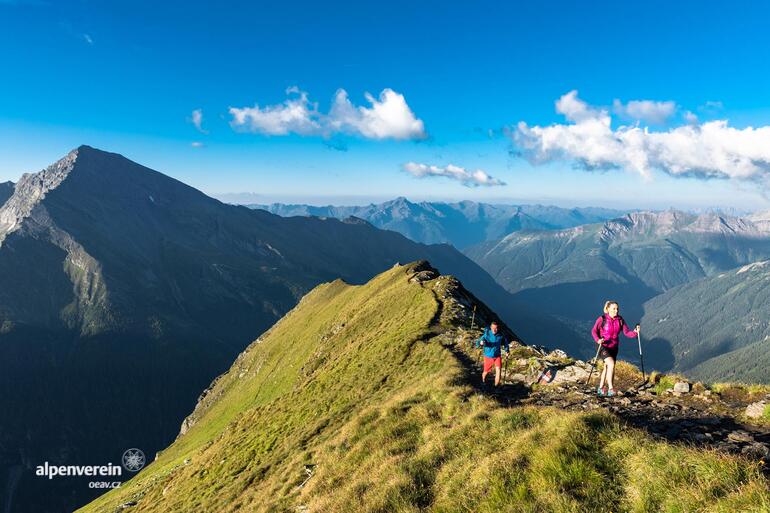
point(604, 321)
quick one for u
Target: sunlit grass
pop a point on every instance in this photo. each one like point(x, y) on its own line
point(352, 404)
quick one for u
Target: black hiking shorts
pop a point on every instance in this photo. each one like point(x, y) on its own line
point(608, 352)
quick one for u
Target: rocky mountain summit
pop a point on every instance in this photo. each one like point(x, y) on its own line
point(670, 222)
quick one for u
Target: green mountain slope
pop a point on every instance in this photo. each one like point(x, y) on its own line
point(715, 328)
point(356, 400)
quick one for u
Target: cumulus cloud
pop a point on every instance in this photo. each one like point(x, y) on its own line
point(707, 150)
point(295, 115)
point(464, 176)
point(575, 109)
point(196, 118)
point(648, 111)
point(386, 117)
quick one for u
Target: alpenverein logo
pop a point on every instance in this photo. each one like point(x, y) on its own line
point(133, 460)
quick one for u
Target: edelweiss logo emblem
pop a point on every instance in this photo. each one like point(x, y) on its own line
point(133, 460)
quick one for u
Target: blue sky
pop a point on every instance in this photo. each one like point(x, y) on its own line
point(126, 77)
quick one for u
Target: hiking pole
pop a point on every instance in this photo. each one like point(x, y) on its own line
point(473, 317)
point(593, 365)
point(641, 357)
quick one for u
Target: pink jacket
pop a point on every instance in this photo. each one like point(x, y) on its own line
point(611, 330)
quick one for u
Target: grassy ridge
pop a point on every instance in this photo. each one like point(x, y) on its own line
point(354, 402)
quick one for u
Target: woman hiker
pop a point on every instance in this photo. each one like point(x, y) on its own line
point(605, 332)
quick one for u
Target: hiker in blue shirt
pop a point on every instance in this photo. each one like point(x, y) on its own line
point(492, 341)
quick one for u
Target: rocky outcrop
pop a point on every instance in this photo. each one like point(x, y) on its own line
point(30, 191)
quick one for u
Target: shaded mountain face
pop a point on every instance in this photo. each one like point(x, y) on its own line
point(6, 190)
point(460, 224)
point(366, 399)
point(571, 273)
point(715, 328)
point(123, 292)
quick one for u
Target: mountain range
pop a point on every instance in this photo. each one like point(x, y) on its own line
point(563, 264)
point(571, 273)
point(461, 224)
point(123, 292)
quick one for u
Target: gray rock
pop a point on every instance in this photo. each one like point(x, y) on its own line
point(757, 450)
point(756, 410)
point(682, 387)
point(740, 436)
point(557, 353)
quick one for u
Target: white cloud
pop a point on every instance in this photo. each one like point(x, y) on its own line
point(648, 111)
point(575, 109)
point(196, 118)
point(708, 150)
point(295, 115)
point(690, 117)
point(88, 39)
point(387, 117)
point(196, 144)
point(464, 176)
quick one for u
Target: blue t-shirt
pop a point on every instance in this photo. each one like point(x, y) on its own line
point(492, 343)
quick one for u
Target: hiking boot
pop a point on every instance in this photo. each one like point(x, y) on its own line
point(611, 392)
point(600, 391)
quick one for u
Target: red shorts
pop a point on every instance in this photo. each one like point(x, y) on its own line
point(492, 362)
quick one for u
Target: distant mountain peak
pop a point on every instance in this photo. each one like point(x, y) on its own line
point(670, 221)
point(32, 189)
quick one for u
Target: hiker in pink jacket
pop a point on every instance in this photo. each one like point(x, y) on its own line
point(606, 331)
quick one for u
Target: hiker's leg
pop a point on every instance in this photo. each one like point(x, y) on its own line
point(603, 375)
point(487, 368)
point(497, 375)
point(609, 364)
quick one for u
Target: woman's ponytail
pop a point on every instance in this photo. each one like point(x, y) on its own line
point(607, 305)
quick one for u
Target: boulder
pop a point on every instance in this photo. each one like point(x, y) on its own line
point(557, 354)
point(555, 375)
point(757, 450)
point(756, 410)
point(682, 387)
point(740, 436)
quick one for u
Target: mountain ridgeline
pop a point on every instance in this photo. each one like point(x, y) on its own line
point(461, 224)
point(363, 399)
point(6, 190)
point(123, 292)
point(632, 259)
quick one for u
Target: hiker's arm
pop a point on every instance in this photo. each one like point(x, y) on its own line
point(595, 330)
point(628, 331)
